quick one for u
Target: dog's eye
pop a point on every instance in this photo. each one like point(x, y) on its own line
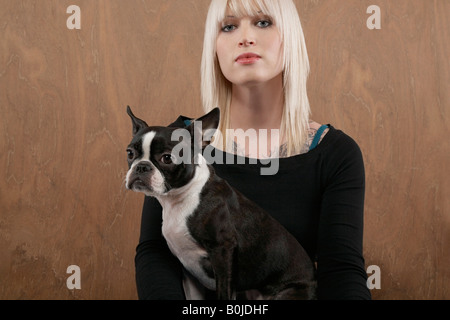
point(166, 159)
point(130, 154)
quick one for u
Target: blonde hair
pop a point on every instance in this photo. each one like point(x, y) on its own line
point(216, 90)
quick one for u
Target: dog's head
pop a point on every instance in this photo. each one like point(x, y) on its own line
point(161, 159)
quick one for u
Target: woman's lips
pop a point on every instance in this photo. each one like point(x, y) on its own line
point(248, 58)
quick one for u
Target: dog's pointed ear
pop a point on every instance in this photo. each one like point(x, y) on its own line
point(138, 124)
point(205, 126)
point(210, 121)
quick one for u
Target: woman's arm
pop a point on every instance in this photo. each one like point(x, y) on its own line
point(158, 272)
point(341, 269)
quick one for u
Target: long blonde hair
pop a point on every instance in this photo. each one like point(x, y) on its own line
point(216, 90)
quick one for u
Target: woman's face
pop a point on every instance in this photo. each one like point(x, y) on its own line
point(249, 49)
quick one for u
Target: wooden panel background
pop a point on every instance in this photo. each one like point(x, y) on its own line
point(63, 132)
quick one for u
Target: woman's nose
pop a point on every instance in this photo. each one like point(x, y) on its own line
point(247, 37)
point(246, 43)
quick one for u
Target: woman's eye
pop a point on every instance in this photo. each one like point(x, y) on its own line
point(264, 23)
point(130, 154)
point(166, 159)
point(228, 28)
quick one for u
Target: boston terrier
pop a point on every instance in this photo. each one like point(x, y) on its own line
point(224, 240)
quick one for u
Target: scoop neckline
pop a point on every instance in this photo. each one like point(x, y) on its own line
point(321, 145)
point(284, 164)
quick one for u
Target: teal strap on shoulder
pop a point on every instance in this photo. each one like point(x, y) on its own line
point(317, 137)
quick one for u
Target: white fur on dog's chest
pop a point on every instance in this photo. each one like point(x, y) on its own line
point(186, 248)
point(176, 210)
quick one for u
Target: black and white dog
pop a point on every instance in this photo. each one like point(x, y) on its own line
point(224, 240)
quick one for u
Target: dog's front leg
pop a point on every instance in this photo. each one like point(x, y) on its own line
point(222, 263)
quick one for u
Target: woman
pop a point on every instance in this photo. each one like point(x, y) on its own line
point(255, 67)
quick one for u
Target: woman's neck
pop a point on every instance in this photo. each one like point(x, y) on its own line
point(258, 106)
point(253, 109)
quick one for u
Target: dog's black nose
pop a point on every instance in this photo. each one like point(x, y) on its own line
point(143, 168)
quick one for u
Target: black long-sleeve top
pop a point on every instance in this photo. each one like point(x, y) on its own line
point(317, 196)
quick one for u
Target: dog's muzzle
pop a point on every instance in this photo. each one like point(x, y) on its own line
point(138, 177)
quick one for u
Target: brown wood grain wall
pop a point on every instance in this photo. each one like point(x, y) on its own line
point(64, 130)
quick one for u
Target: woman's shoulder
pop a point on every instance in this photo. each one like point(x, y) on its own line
point(337, 146)
point(316, 133)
